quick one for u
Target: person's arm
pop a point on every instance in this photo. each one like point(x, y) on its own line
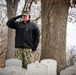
point(12, 22)
point(36, 38)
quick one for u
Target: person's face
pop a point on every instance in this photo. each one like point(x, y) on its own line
point(25, 18)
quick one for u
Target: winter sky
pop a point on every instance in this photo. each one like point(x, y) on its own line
point(71, 30)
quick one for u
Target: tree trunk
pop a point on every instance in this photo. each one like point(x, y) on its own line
point(11, 12)
point(54, 21)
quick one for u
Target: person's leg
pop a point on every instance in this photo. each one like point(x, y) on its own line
point(18, 53)
point(26, 55)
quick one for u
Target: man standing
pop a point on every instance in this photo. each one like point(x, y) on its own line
point(26, 39)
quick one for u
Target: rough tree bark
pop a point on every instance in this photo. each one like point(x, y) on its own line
point(11, 12)
point(54, 21)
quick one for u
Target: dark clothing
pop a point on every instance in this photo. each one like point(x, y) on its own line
point(27, 34)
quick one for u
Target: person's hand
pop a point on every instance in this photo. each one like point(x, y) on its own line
point(33, 49)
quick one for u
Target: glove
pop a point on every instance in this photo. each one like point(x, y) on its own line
point(33, 49)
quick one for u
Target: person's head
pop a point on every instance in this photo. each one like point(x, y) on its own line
point(25, 17)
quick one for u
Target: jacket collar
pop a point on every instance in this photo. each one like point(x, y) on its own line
point(26, 22)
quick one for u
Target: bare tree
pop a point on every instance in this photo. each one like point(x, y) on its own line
point(3, 28)
point(11, 12)
point(71, 55)
point(54, 21)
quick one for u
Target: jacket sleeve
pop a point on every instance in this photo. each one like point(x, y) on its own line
point(36, 38)
point(11, 23)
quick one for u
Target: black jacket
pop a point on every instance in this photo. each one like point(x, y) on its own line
point(27, 34)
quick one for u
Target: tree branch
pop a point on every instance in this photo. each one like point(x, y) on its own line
point(36, 19)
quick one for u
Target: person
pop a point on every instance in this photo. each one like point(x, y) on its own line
point(26, 38)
